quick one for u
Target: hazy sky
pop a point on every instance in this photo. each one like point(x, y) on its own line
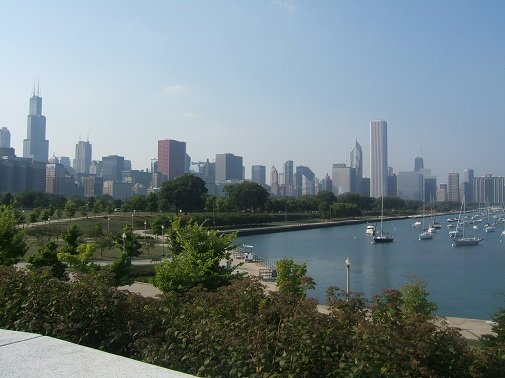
point(267, 80)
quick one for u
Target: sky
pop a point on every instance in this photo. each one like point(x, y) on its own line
point(270, 80)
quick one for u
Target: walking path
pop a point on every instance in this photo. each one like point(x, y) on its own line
point(471, 329)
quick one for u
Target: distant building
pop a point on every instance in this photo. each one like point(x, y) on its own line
point(171, 158)
point(343, 179)
point(93, 186)
point(305, 181)
point(418, 163)
point(58, 179)
point(468, 182)
point(442, 193)
point(274, 181)
point(117, 190)
point(5, 138)
point(489, 190)
point(20, 175)
point(356, 162)
point(453, 187)
point(228, 168)
point(82, 160)
point(327, 184)
point(36, 146)
point(410, 185)
point(378, 159)
point(288, 174)
point(258, 174)
point(112, 168)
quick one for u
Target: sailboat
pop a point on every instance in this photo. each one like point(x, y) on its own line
point(425, 234)
point(382, 237)
point(460, 241)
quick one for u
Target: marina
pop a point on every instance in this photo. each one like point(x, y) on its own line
point(465, 281)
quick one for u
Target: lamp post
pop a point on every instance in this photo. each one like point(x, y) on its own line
point(48, 228)
point(162, 241)
point(132, 222)
point(348, 269)
point(108, 225)
point(145, 233)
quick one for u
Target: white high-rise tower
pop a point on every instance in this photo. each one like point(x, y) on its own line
point(378, 158)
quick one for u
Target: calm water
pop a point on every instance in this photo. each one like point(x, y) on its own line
point(463, 281)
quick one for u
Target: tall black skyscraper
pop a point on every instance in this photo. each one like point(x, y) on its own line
point(36, 146)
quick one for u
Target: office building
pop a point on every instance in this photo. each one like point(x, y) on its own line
point(305, 181)
point(343, 179)
point(274, 181)
point(289, 187)
point(58, 179)
point(410, 185)
point(489, 190)
point(453, 187)
point(82, 160)
point(418, 164)
point(468, 184)
point(5, 138)
point(228, 168)
point(258, 174)
point(356, 162)
point(19, 175)
point(112, 168)
point(327, 184)
point(378, 159)
point(171, 158)
point(36, 146)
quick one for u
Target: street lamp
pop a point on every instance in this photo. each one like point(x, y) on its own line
point(348, 269)
point(48, 228)
point(108, 225)
point(132, 222)
point(145, 232)
point(162, 241)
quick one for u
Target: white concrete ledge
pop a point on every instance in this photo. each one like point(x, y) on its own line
point(30, 355)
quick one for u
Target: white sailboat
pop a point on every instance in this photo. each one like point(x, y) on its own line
point(382, 237)
point(425, 234)
point(463, 240)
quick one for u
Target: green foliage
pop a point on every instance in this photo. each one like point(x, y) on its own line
point(246, 195)
point(186, 193)
point(47, 256)
point(415, 300)
point(292, 279)
point(12, 243)
point(81, 260)
point(203, 259)
point(71, 237)
point(70, 208)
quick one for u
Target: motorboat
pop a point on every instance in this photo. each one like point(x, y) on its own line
point(370, 230)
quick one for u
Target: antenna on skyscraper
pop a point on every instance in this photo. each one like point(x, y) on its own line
point(38, 87)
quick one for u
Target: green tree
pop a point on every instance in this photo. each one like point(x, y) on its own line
point(12, 242)
point(71, 237)
point(129, 244)
point(415, 300)
point(204, 259)
point(246, 195)
point(186, 193)
point(70, 208)
point(292, 279)
point(81, 260)
point(47, 256)
point(152, 202)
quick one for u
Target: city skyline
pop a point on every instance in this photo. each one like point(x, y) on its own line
point(270, 81)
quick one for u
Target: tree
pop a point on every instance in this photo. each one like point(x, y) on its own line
point(129, 244)
point(152, 202)
point(47, 256)
point(292, 279)
point(186, 193)
point(246, 195)
point(70, 208)
point(71, 239)
point(415, 300)
point(81, 260)
point(12, 243)
point(204, 259)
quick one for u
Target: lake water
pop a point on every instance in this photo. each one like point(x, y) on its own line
point(463, 281)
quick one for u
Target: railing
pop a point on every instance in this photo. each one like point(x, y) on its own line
point(268, 273)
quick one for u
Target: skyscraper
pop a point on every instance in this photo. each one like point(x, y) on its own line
point(468, 181)
point(82, 160)
point(274, 181)
point(356, 162)
point(418, 163)
point(288, 178)
point(228, 167)
point(258, 174)
point(453, 187)
point(305, 181)
point(5, 138)
point(171, 158)
point(36, 146)
point(378, 158)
